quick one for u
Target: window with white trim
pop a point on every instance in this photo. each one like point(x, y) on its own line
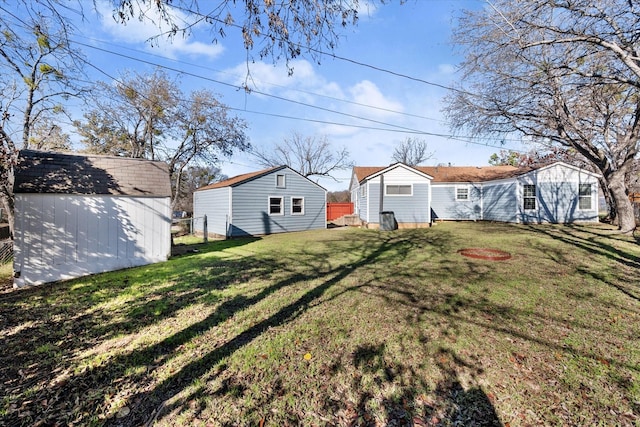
point(584, 196)
point(529, 197)
point(363, 190)
point(398, 189)
point(276, 206)
point(462, 193)
point(297, 206)
point(280, 181)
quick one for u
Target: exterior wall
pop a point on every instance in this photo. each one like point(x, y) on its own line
point(407, 209)
point(557, 196)
point(500, 201)
point(445, 206)
point(215, 204)
point(363, 201)
point(60, 237)
point(250, 210)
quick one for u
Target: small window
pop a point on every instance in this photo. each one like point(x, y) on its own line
point(462, 193)
point(584, 196)
point(275, 206)
point(363, 191)
point(280, 181)
point(529, 197)
point(297, 206)
point(398, 190)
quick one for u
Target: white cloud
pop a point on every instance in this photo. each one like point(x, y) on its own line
point(446, 69)
point(366, 8)
point(367, 93)
point(152, 31)
point(302, 85)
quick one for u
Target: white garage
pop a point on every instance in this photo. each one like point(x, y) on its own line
point(77, 215)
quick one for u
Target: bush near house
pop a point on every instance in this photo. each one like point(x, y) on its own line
point(338, 327)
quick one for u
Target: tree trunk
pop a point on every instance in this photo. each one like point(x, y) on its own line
point(624, 209)
point(611, 203)
point(6, 198)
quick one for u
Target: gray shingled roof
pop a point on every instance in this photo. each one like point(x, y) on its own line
point(45, 172)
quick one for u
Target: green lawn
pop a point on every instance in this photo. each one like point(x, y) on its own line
point(338, 327)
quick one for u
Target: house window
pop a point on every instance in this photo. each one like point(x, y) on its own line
point(280, 182)
point(297, 206)
point(363, 190)
point(462, 193)
point(276, 206)
point(584, 196)
point(529, 197)
point(398, 190)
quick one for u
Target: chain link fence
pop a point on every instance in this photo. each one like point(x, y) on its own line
point(6, 251)
point(188, 230)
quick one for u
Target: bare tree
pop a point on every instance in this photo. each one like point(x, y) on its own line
point(412, 152)
point(194, 177)
point(309, 156)
point(563, 74)
point(147, 116)
point(37, 77)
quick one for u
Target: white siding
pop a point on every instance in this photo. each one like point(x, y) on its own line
point(66, 236)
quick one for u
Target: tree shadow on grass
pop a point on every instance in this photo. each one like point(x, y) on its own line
point(374, 264)
point(594, 240)
point(156, 401)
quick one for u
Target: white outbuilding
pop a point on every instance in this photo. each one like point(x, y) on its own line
point(77, 215)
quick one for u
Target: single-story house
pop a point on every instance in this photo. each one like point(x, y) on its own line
point(269, 201)
point(557, 193)
point(82, 214)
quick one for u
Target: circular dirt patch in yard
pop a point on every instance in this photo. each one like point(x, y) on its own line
point(485, 253)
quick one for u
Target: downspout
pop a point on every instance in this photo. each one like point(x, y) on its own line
point(227, 227)
point(381, 207)
point(481, 201)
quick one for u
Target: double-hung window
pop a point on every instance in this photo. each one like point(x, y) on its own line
point(276, 206)
point(297, 206)
point(529, 197)
point(462, 193)
point(584, 196)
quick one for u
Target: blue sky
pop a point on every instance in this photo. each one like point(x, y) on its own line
point(410, 39)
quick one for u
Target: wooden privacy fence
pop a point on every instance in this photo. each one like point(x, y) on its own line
point(336, 210)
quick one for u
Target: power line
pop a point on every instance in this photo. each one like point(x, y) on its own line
point(399, 128)
point(332, 55)
point(319, 95)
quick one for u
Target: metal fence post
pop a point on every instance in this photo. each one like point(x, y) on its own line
point(206, 232)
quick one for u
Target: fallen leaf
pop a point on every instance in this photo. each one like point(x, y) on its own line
point(123, 412)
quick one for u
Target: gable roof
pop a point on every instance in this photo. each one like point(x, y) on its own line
point(62, 173)
point(450, 173)
point(239, 179)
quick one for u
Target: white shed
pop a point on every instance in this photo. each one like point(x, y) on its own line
point(77, 215)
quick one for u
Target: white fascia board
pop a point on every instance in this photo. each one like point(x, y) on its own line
point(396, 165)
